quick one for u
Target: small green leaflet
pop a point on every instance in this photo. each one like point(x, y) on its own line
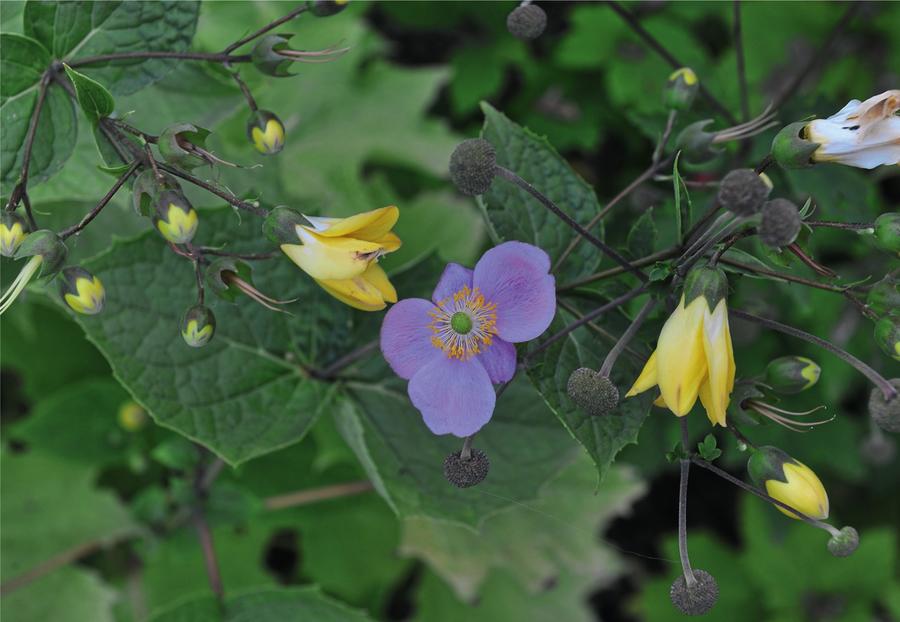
point(94, 99)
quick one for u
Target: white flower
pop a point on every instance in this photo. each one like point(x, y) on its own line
point(862, 134)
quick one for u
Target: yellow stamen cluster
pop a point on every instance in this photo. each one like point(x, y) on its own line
point(482, 324)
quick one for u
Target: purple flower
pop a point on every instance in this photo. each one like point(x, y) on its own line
point(453, 348)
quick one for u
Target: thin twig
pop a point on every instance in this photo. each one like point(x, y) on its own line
point(689, 578)
point(348, 359)
point(65, 233)
point(305, 497)
point(657, 47)
point(251, 102)
point(809, 261)
point(605, 274)
point(601, 331)
point(122, 56)
point(275, 24)
point(26, 201)
point(550, 205)
point(833, 224)
point(22, 183)
point(626, 337)
point(233, 200)
point(209, 557)
point(886, 388)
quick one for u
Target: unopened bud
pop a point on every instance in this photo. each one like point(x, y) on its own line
point(742, 192)
point(466, 473)
point(326, 8)
point(790, 147)
point(780, 223)
point(681, 88)
point(789, 481)
point(82, 291)
point(696, 144)
point(280, 225)
point(147, 188)
point(266, 57)
point(593, 393)
point(792, 374)
point(884, 296)
point(845, 543)
point(887, 335)
point(176, 145)
point(526, 22)
point(13, 229)
point(175, 218)
point(472, 166)
point(887, 232)
point(886, 412)
point(266, 132)
point(48, 246)
point(131, 416)
point(697, 598)
point(198, 326)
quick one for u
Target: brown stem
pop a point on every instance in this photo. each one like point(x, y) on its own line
point(233, 200)
point(627, 336)
point(28, 213)
point(251, 102)
point(202, 56)
point(608, 336)
point(809, 261)
point(605, 274)
point(305, 497)
point(275, 24)
point(65, 233)
point(22, 184)
point(657, 47)
point(209, 557)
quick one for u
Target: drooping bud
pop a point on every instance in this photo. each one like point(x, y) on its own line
point(780, 223)
point(790, 147)
point(887, 232)
point(147, 188)
point(884, 296)
point(266, 57)
point(845, 543)
point(198, 326)
point(526, 22)
point(46, 245)
point(792, 374)
point(887, 335)
point(131, 416)
point(326, 8)
point(592, 392)
point(266, 132)
point(681, 89)
point(13, 229)
point(743, 192)
point(183, 144)
point(697, 598)
point(788, 481)
point(886, 413)
point(175, 218)
point(696, 144)
point(466, 473)
point(711, 283)
point(280, 226)
point(472, 166)
point(82, 291)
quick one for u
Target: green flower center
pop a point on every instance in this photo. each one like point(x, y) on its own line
point(461, 323)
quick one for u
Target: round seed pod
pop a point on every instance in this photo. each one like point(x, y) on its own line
point(743, 192)
point(843, 544)
point(526, 22)
point(466, 473)
point(472, 166)
point(594, 394)
point(886, 414)
point(780, 223)
point(697, 599)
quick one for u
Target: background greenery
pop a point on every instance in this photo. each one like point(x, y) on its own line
point(538, 540)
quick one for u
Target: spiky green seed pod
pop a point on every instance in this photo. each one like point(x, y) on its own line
point(472, 166)
point(695, 599)
point(466, 473)
point(593, 393)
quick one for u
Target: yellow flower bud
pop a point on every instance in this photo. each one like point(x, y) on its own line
point(82, 291)
point(788, 481)
point(13, 230)
point(131, 416)
point(175, 218)
point(266, 132)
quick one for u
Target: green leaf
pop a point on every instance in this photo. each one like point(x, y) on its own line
point(604, 436)
point(516, 215)
point(65, 595)
point(643, 235)
point(533, 543)
point(707, 448)
point(245, 393)
point(23, 63)
point(95, 100)
point(404, 460)
point(298, 604)
point(76, 30)
point(50, 506)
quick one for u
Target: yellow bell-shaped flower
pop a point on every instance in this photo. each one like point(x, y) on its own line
point(341, 254)
point(694, 356)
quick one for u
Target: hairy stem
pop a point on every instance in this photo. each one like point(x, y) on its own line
point(550, 205)
point(886, 388)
